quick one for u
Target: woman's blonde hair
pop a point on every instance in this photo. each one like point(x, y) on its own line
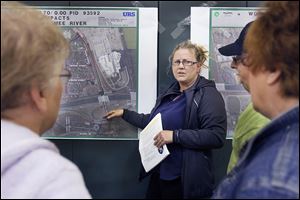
point(201, 53)
point(33, 49)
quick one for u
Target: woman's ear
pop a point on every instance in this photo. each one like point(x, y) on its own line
point(38, 99)
point(273, 77)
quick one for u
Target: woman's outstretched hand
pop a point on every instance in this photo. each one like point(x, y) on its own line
point(114, 113)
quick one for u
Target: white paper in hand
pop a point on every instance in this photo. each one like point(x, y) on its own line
point(150, 154)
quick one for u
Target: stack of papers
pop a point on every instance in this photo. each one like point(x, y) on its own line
point(150, 154)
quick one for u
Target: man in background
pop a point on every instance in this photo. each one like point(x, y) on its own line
point(249, 122)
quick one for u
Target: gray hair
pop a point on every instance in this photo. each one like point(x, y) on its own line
point(33, 49)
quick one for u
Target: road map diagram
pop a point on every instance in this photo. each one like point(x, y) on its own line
point(103, 67)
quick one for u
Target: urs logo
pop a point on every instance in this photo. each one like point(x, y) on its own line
point(128, 14)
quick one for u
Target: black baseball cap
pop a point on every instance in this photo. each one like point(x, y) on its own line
point(236, 48)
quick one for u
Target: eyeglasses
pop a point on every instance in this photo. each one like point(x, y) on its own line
point(186, 63)
point(239, 59)
point(65, 76)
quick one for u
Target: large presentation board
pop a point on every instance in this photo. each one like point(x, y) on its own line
point(214, 28)
point(107, 66)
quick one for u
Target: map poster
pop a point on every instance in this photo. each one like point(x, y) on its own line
point(103, 63)
point(223, 26)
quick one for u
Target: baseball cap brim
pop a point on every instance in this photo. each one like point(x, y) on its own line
point(231, 49)
point(235, 48)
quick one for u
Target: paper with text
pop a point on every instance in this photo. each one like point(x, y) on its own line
point(150, 154)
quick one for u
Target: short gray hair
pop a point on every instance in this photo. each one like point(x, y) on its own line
point(33, 48)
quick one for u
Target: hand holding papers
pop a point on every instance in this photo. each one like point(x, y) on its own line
point(150, 154)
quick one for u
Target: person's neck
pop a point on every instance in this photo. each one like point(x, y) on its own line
point(281, 105)
point(23, 116)
point(185, 86)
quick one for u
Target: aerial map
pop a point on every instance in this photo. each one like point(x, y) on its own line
point(235, 97)
point(226, 25)
point(103, 68)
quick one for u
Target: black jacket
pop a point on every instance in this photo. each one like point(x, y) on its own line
point(204, 129)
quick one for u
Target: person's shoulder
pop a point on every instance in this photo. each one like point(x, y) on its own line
point(250, 109)
point(41, 153)
point(57, 173)
point(210, 94)
point(277, 152)
point(54, 158)
point(265, 181)
point(39, 161)
point(204, 82)
point(254, 118)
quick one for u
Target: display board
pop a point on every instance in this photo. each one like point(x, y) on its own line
point(215, 28)
point(106, 67)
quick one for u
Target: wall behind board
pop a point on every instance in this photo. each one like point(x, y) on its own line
point(111, 167)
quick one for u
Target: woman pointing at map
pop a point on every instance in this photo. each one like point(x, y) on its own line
point(194, 122)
